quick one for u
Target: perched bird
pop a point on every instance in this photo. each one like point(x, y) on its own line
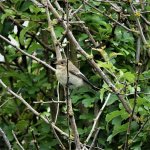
point(76, 78)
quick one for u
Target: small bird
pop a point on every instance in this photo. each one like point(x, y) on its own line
point(76, 78)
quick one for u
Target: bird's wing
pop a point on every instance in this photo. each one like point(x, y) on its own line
point(80, 75)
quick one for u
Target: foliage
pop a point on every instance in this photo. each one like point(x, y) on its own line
point(25, 25)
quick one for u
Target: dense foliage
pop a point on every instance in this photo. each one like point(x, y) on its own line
point(113, 33)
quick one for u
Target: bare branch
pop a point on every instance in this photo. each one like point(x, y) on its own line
point(29, 55)
point(138, 50)
point(21, 147)
point(2, 133)
point(97, 118)
point(88, 33)
point(96, 134)
point(35, 141)
point(120, 24)
point(32, 109)
point(49, 102)
point(57, 137)
point(52, 33)
point(139, 25)
point(146, 21)
point(58, 104)
point(32, 34)
point(126, 147)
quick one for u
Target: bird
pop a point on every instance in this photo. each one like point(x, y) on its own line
point(74, 77)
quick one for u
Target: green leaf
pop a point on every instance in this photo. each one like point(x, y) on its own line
point(75, 98)
point(86, 117)
point(34, 9)
point(88, 102)
point(112, 115)
point(10, 12)
point(10, 107)
point(106, 65)
point(129, 76)
point(120, 129)
point(102, 91)
point(24, 31)
point(25, 5)
point(59, 31)
point(22, 125)
point(112, 99)
point(146, 74)
point(44, 128)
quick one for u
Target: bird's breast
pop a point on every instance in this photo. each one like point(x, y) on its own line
point(61, 75)
point(73, 80)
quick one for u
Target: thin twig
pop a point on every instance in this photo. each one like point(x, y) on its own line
point(97, 118)
point(96, 134)
point(88, 33)
point(138, 50)
point(146, 21)
point(49, 102)
point(29, 55)
point(126, 146)
point(52, 33)
point(17, 140)
point(4, 103)
point(77, 10)
point(138, 24)
point(35, 141)
point(32, 109)
point(141, 129)
point(110, 17)
point(57, 137)
point(58, 102)
point(2, 133)
point(69, 106)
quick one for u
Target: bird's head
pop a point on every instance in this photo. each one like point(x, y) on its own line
point(61, 63)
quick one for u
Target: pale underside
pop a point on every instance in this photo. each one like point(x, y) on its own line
point(73, 80)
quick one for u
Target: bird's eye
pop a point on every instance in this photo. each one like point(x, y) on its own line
point(62, 63)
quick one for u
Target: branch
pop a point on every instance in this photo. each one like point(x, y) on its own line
point(52, 33)
point(57, 137)
point(29, 55)
point(91, 61)
point(88, 33)
point(126, 147)
point(32, 109)
point(37, 147)
point(139, 25)
point(5, 139)
point(49, 102)
point(146, 21)
point(120, 24)
point(96, 134)
point(33, 35)
point(73, 125)
point(58, 103)
point(97, 118)
point(21, 147)
point(139, 130)
point(138, 50)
